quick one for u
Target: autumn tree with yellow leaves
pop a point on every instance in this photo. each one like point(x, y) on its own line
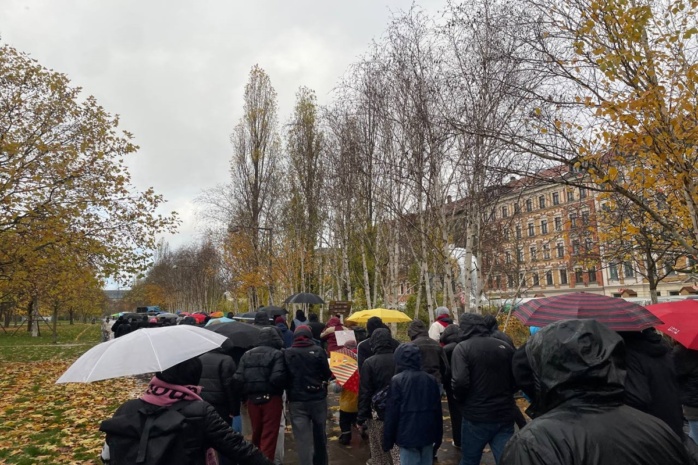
point(66, 199)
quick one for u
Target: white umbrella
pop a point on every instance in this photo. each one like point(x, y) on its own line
point(146, 350)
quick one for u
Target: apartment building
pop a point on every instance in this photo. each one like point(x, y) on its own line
point(545, 241)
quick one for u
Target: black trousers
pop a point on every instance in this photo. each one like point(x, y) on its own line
point(346, 420)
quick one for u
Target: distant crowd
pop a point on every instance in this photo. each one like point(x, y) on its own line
point(595, 396)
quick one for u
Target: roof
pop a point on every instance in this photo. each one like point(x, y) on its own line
point(115, 294)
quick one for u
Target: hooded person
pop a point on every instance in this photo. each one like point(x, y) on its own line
point(286, 334)
point(374, 376)
point(413, 417)
point(483, 386)
point(217, 380)
point(261, 319)
point(578, 367)
point(442, 320)
point(170, 424)
point(493, 326)
point(299, 320)
point(261, 379)
point(316, 327)
point(309, 373)
point(449, 340)
point(328, 335)
point(364, 348)
point(651, 382)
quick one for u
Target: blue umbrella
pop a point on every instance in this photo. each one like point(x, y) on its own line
point(215, 321)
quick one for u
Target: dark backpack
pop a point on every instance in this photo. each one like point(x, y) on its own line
point(143, 437)
point(379, 402)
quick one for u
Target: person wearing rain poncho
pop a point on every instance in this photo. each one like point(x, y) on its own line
point(579, 376)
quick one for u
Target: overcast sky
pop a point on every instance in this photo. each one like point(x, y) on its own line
point(175, 70)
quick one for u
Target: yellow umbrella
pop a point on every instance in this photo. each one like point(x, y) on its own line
point(216, 314)
point(388, 316)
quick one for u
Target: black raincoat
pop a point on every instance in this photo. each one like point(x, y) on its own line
point(579, 380)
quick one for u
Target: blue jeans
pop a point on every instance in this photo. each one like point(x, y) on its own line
point(416, 455)
point(475, 436)
point(309, 431)
point(693, 430)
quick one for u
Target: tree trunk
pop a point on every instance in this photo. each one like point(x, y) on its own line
point(418, 303)
point(35, 317)
point(367, 283)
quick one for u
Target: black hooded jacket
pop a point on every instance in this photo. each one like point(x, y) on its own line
point(413, 416)
point(308, 370)
point(262, 369)
point(218, 385)
point(377, 370)
point(579, 391)
point(433, 358)
point(481, 376)
point(363, 350)
point(450, 338)
point(651, 384)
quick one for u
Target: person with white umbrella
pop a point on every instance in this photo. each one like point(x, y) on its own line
point(171, 424)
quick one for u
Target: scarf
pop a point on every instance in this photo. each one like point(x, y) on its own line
point(165, 394)
point(444, 320)
point(303, 341)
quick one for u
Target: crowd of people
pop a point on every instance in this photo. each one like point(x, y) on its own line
point(595, 396)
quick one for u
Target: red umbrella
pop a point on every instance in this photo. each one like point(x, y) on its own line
point(616, 313)
point(680, 321)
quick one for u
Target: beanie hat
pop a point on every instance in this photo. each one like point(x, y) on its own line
point(442, 311)
point(185, 373)
point(280, 319)
point(302, 331)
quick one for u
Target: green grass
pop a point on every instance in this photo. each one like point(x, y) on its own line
point(18, 345)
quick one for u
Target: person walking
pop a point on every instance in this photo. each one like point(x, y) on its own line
point(450, 339)
point(187, 425)
point(483, 386)
point(309, 373)
point(121, 327)
point(286, 334)
point(374, 379)
point(328, 335)
point(106, 330)
point(493, 327)
point(261, 379)
point(443, 319)
point(579, 371)
point(433, 358)
point(315, 326)
point(364, 351)
point(413, 417)
point(299, 320)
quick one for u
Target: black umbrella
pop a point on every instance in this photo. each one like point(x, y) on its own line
point(273, 311)
point(240, 334)
point(304, 298)
point(249, 316)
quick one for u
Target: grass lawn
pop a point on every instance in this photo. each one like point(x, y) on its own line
point(47, 423)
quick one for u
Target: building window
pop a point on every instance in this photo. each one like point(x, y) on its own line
point(556, 198)
point(628, 270)
point(531, 230)
point(529, 205)
point(587, 245)
point(505, 212)
point(613, 271)
point(546, 252)
point(520, 255)
point(570, 196)
point(592, 274)
point(573, 220)
point(669, 269)
point(507, 255)
point(560, 251)
point(673, 292)
point(517, 208)
point(544, 226)
point(585, 218)
point(536, 279)
point(541, 202)
point(549, 278)
point(510, 281)
point(578, 275)
point(563, 276)
point(575, 247)
point(582, 193)
point(518, 232)
point(558, 224)
point(533, 253)
point(506, 234)
point(522, 280)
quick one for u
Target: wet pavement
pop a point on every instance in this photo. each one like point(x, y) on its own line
point(357, 453)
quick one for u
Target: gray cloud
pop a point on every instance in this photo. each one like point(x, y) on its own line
point(175, 70)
